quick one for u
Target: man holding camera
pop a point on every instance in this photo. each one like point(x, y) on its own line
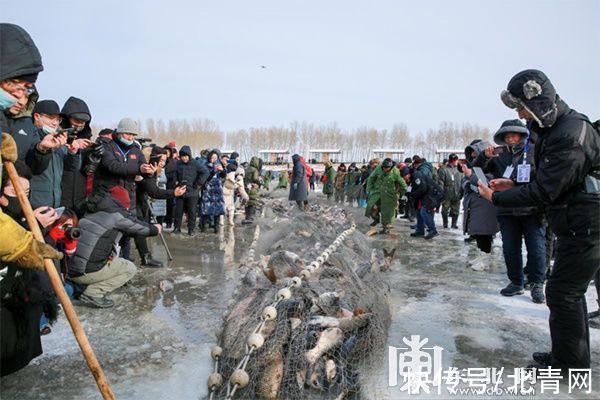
point(121, 161)
point(46, 187)
point(76, 119)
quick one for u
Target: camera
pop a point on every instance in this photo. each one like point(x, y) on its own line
point(72, 232)
point(499, 150)
point(71, 135)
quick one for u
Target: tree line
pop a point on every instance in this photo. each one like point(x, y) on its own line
point(300, 137)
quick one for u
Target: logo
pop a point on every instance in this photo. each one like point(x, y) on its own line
point(22, 132)
point(417, 368)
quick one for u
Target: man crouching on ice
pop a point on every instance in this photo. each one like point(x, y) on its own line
point(96, 263)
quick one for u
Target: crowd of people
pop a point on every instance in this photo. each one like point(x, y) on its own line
point(92, 197)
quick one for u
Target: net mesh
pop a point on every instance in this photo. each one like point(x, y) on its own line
point(331, 330)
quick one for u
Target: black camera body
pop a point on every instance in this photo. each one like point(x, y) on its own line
point(72, 232)
point(71, 135)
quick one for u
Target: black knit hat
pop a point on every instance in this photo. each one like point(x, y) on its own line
point(49, 107)
point(452, 157)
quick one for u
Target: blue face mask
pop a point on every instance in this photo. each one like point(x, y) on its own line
point(125, 141)
point(6, 100)
point(48, 130)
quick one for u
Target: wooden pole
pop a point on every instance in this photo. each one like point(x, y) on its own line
point(57, 285)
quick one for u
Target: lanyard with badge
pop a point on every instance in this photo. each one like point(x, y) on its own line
point(524, 169)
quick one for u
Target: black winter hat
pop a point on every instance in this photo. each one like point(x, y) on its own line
point(452, 157)
point(532, 90)
point(510, 126)
point(387, 163)
point(405, 171)
point(49, 107)
point(234, 155)
point(19, 56)
point(106, 131)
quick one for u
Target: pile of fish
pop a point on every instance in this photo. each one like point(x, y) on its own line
point(332, 329)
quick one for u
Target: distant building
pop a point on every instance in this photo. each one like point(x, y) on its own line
point(227, 152)
point(441, 154)
point(324, 155)
point(274, 157)
point(394, 154)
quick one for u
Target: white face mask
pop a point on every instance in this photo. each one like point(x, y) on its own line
point(6, 100)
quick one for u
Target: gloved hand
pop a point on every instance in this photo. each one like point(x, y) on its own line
point(34, 254)
point(9, 148)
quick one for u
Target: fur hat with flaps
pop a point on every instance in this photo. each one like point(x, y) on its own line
point(532, 90)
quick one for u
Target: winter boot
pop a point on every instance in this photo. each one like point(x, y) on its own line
point(149, 262)
point(98, 302)
point(512, 290)
point(454, 219)
point(202, 224)
point(445, 221)
point(249, 216)
point(537, 293)
point(216, 225)
point(542, 357)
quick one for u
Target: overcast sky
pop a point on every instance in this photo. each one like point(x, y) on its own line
point(358, 63)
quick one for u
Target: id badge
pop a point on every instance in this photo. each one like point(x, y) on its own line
point(523, 173)
point(508, 172)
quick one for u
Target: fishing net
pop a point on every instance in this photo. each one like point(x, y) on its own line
point(332, 329)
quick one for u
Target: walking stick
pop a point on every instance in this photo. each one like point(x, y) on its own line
point(162, 238)
point(57, 285)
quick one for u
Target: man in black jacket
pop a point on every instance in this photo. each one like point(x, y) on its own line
point(428, 195)
point(96, 262)
point(148, 187)
point(121, 162)
point(567, 161)
point(192, 175)
point(76, 115)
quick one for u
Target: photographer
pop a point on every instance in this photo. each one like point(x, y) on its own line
point(146, 187)
point(77, 118)
point(121, 161)
point(46, 187)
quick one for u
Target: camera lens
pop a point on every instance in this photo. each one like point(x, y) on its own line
point(73, 233)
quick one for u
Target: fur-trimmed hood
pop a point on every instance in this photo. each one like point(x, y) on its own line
point(476, 145)
point(510, 126)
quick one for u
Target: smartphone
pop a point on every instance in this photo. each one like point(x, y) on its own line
point(499, 150)
point(59, 211)
point(480, 175)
